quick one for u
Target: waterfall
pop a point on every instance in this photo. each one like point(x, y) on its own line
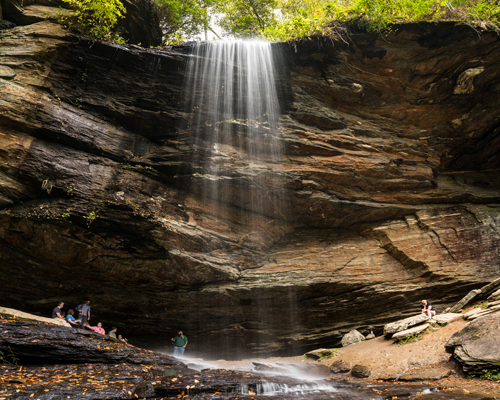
point(233, 110)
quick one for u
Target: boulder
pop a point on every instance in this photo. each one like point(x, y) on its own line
point(410, 332)
point(472, 295)
point(340, 366)
point(443, 319)
point(352, 337)
point(370, 336)
point(360, 371)
point(476, 346)
point(404, 324)
point(321, 353)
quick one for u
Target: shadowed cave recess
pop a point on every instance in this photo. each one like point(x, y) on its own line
point(348, 182)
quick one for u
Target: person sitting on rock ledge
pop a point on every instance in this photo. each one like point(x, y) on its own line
point(122, 339)
point(57, 311)
point(426, 308)
point(98, 329)
point(75, 323)
point(112, 332)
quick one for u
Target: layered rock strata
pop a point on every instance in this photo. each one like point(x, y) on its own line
point(388, 189)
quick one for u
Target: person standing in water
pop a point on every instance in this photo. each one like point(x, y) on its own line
point(180, 342)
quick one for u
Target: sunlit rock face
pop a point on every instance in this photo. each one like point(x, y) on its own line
point(389, 185)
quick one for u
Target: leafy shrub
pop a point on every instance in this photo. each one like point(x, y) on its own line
point(491, 375)
point(95, 19)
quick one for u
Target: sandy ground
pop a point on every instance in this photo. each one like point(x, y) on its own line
point(387, 359)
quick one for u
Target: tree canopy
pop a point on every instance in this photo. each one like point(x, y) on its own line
point(280, 20)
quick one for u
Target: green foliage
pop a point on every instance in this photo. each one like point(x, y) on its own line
point(491, 375)
point(300, 18)
point(411, 339)
point(484, 304)
point(8, 358)
point(328, 354)
point(182, 19)
point(90, 218)
point(95, 19)
point(247, 18)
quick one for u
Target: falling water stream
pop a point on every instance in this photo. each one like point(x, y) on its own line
point(232, 100)
point(234, 107)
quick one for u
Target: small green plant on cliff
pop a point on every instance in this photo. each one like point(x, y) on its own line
point(95, 19)
point(8, 358)
point(90, 218)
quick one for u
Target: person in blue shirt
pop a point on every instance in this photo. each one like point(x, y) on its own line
point(75, 323)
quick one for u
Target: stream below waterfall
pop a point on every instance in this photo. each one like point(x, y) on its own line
point(310, 381)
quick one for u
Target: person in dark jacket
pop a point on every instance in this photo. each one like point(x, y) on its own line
point(426, 309)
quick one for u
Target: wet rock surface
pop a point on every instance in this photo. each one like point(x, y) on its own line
point(385, 195)
point(360, 371)
point(340, 366)
point(42, 342)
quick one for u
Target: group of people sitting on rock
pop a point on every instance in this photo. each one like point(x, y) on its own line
point(83, 319)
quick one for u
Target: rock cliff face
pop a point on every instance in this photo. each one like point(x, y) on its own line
point(389, 189)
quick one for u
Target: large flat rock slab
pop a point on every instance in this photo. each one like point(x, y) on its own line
point(21, 314)
point(404, 324)
point(410, 332)
point(443, 319)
